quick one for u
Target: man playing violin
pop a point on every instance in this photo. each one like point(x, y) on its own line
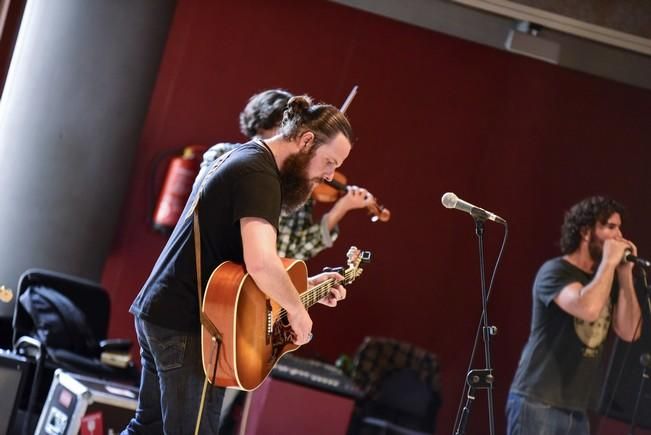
point(299, 237)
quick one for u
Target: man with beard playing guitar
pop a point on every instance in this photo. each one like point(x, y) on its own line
point(239, 202)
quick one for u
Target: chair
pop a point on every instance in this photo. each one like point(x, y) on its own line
point(61, 321)
point(401, 388)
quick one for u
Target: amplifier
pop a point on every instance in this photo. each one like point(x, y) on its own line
point(281, 407)
point(315, 374)
point(76, 401)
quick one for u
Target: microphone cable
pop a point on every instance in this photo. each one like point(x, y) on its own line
point(479, 325)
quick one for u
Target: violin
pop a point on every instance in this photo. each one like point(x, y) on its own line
point(330, 191)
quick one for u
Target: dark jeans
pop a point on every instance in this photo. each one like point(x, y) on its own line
point(527, 417)
point(171, 384)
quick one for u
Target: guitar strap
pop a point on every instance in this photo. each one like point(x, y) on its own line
point(215, 334)
point(204, 320)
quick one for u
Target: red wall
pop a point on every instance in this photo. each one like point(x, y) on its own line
point(433, 114)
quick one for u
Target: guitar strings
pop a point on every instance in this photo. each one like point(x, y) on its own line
point(323, 288)
point(309, 295)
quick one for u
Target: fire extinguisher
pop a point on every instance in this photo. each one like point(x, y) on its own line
point(177, 187)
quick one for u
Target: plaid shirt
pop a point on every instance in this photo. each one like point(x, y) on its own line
point(298, 236)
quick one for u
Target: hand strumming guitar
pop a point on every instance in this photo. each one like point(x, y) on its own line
point(301, 324)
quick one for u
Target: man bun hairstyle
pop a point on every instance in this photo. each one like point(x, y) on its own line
point(585, 214)
point(264, 111)
point(324, 120)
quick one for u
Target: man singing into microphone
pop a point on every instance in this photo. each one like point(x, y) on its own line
point(574, 299)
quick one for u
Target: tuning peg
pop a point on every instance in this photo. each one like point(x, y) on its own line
point(365, 256)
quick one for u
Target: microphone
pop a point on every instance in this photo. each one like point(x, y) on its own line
point(628, 256)
point(450, 200)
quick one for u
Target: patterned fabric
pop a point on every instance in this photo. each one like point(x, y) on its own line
point(400, 385)
point(377, 356)
point(298, 236)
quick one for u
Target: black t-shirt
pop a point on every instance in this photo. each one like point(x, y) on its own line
point(559, 365)
point(247, 184)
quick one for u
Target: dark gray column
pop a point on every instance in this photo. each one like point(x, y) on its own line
point(73, 107)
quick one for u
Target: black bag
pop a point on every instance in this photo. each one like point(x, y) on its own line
point(58, 323)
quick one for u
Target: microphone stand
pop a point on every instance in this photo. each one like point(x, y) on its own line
point(480, 378)
point(645, 361)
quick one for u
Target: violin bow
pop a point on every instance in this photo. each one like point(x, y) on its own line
point(349, 99)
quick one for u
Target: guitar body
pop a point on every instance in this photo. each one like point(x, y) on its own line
point(252, 340)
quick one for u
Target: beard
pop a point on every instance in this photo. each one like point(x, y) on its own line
point(295, 185)
point(595, 248)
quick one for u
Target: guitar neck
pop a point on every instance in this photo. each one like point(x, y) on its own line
point(318, 292)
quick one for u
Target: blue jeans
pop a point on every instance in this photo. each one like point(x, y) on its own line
point(171, 384)
point(527, 417)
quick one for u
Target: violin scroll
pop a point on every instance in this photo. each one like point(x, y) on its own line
point(379, 212)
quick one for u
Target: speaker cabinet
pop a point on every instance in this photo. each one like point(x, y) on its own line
point(281, 407)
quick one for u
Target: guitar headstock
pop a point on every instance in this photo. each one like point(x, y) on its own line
point(355, 258)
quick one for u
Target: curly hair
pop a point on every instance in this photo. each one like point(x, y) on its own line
point(264, 111)
point(585, 214)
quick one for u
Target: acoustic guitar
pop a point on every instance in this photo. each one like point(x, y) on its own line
point(244, 331)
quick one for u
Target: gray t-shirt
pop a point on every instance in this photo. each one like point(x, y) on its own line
point(560, 362)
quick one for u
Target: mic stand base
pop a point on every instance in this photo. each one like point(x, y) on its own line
point(477, 379)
